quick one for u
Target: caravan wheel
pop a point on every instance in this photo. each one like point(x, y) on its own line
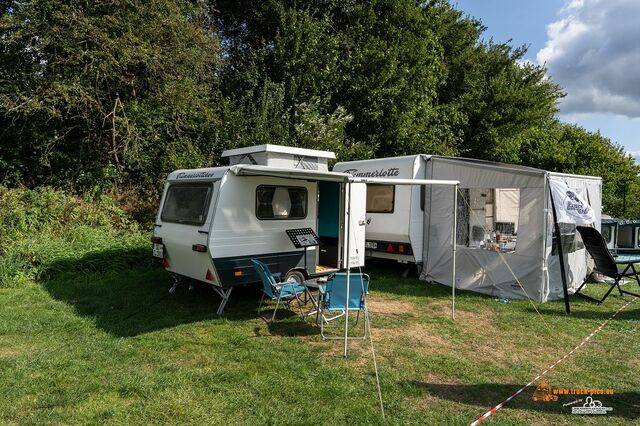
point(296, 276)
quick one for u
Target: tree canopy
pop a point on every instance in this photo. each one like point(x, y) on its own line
point(118, 93)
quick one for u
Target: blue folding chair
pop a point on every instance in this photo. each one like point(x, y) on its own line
point(277, 291)
point(334, 299)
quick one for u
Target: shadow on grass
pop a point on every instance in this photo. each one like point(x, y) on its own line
point(126, 293)
point(486, 395)
point(585, 309)
point(633, 314)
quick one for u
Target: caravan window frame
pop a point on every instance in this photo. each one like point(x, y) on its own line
point(207, 202)
point(287, 187)
point(393, 199)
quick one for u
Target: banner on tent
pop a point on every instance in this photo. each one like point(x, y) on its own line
point(570, 207)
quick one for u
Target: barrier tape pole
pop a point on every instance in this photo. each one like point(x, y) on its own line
point(539, 376)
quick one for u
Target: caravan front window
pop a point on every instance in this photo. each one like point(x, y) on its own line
point(187, 203)
point(281, 202)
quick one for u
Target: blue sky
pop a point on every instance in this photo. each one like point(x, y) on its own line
point(590, 47)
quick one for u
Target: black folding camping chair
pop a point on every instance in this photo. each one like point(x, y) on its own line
point(605, 264)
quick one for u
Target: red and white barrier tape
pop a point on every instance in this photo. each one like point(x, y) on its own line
point(539, 376)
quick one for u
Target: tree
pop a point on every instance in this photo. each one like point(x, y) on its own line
point(567, 148)
point(104, 91)
point(498, 95)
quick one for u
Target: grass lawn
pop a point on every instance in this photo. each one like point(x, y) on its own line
point(113, 346)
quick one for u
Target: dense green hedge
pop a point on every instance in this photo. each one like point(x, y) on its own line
point(45, 231)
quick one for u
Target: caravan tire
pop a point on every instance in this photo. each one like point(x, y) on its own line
point(295, 275)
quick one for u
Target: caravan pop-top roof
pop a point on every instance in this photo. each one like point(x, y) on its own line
point(279, 149)
point(280, 156)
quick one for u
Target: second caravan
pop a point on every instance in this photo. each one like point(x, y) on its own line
point(503, 214)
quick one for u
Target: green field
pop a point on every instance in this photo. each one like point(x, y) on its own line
point(105, 342)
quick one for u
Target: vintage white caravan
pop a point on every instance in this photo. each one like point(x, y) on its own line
point(277, 204)
point(213, 221)
point(505, 239)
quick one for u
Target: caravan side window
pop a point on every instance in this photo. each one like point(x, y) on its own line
point(187, 203)
point(380, 198)
point(281, 202)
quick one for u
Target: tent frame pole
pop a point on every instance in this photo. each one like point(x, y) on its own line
point(453, 251)
point(556, 225)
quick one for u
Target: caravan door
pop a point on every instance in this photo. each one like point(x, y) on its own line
point(354, 222)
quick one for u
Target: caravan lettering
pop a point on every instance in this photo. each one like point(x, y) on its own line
point(390, 172)
point(194, 175)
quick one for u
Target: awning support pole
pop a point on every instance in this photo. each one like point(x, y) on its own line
point(453, 251)
point(348, 264)
point(560, 255)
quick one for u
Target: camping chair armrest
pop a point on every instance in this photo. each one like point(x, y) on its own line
point(369, 281)
point(292, 284)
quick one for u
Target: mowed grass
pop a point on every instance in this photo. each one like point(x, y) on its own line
point(111, 345)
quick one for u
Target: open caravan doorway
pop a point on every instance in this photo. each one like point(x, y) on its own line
point(329, 209)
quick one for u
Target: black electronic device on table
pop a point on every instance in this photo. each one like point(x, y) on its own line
point(303, 237)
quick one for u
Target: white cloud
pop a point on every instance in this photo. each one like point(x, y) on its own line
point(593, 52)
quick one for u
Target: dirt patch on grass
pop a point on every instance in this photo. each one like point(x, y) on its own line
point(416, 335)
point(9, 349)
point(390, 307)
point(436, 308)
point(473, 335)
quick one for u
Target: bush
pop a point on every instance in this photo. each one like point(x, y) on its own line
point(45, 230)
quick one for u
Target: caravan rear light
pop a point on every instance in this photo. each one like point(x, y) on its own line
point(209, 276)
point(165, 263)
point(389, 248)
point(199, 247)
point(237, 273)
point(401, 248)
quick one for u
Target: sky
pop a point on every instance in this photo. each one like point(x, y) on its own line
point(590, 47)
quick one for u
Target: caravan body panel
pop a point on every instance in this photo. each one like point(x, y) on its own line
point(237, 235)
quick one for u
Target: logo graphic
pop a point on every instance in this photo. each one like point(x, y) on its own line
point(570, 205)
point(390, 172)
point(591, 406)
point(572, 402)
point(543, 393)
point(574, 205)
point(195, 175)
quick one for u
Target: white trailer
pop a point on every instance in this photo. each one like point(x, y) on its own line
point(270, 204)
point(213, 221)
